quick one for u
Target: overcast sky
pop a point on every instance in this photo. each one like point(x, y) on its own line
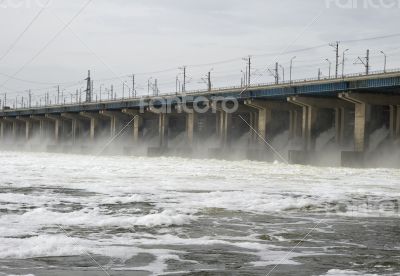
point(121, 37)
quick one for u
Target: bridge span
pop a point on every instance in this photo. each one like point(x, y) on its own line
point(303, 121)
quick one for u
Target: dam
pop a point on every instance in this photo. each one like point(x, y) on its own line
point(348, 111)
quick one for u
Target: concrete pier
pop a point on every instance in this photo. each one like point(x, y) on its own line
point(365, 123)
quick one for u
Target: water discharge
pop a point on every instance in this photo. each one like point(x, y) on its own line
point(155, 216)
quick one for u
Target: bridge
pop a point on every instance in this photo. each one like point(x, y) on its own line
point(215, 123)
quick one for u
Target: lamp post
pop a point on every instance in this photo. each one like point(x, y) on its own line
point(385, 59)
point(101, 85)
point(330, 65)
point(343, 60)
point(291, 67)
point(283, 72)
point(148, 86)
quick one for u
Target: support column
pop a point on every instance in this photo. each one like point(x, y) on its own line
point(398, 122)
point(28, 127)
point(94, 122)
point(224, 124)
point(309, 117)
point(295, 123)
point(191, 119)
point(163, 130)
point(264, 116)
point(394, 122)
point(163, 127)
point(2, 129)
point(310, 107)
point(57, 119)
point(342, 119)
point(137, 124)
point(76, 125)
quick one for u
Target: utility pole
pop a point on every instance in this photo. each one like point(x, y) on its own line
point(30, 99)
point(330, 66)
point(148, 86)
point(384, 62)
point(364, 61)
point(283, 73)
point(133, 86)
point(343, 61)
point(155, 88)
point(336, 46)
point(58, 94)
point(209, 81)
point(184, 78)
point(248, 71)
point(88, 88)
point(319, 73)
point(275, 73)
point(291, 67)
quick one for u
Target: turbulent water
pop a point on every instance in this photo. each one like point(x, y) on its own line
point(83, 215)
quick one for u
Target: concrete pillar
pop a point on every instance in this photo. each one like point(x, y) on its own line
point(191, 119)
point(362, 103)
point(397, 132)
point(309, 117)
point(361, 119)
point(137, 123)
point(44, 125)
point(57, 119)
point(342, 118)
point(94, 123)
point(163, 120)
point(310, 108)
point(14, 129)
point(224, 124)
point(2, 123)
point(263, 117)
point(76, 124)
point(28, 127)
point(394, 124)
point(295, 123)
point(114, 118)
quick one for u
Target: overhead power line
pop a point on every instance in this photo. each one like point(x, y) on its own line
point(12, 46)
point(48, 43)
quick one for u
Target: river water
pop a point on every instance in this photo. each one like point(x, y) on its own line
point(83, 215)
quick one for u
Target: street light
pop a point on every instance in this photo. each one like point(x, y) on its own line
point(385, 59)
point(344, 52)
point(291, 67)
point(148, 86)
point(283, 72)
point(330, 65)
point(101, 85)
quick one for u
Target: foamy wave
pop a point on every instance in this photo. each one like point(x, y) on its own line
point(42, 217)
point(338, 272)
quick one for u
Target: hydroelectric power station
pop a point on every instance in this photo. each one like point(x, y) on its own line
point(353, 107)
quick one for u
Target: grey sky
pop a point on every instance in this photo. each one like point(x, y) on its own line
point(134, 36)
